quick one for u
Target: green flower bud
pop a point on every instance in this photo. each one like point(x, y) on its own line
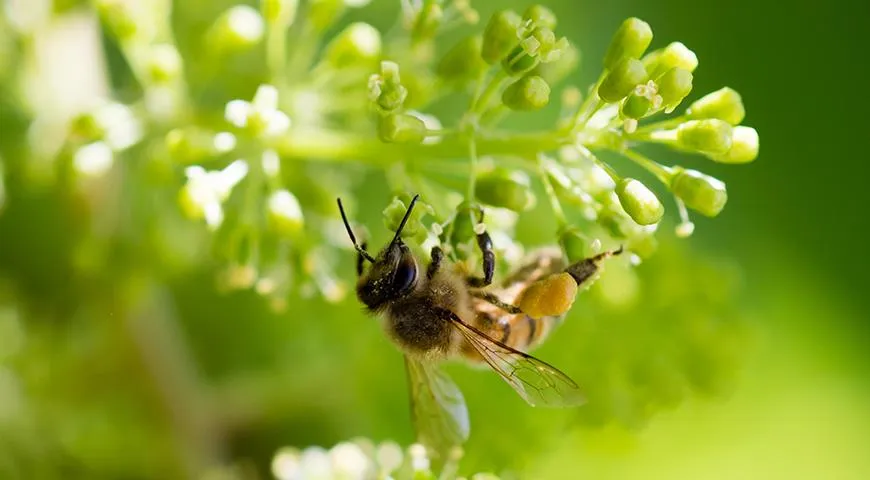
point(699, 192)
point(414, 228)
point(744, 146)
point(712, 136)
point(323, 13)
point(635, 106)
point(462, 63)
point(530, 51)
point(501, 35)
point(505, 188)
point(280, 12)
point(386, 89)
point(428, 21)
point(358, 43)
point(675, 55)
point(673, 87)
point(164, 63)
point(724, 104)
point(574, 243)
point(630, 41)
point(556, 71)
point(528, 93)
point(238, 28)
point(285, 213)
point(401, 128)
point(119, 18)
point(463, 224)
point(624, 77)
point(540, 16)
point(639, 202)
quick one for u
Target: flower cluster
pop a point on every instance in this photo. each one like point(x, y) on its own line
point(362, 459)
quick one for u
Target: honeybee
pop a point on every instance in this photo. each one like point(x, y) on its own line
point(436, 312)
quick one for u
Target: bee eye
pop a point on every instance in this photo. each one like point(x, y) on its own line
point(405, 275)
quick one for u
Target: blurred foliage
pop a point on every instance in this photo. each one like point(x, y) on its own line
point(136, 342)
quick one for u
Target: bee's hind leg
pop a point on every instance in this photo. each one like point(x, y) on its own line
point(494, 300)
point(585, 269)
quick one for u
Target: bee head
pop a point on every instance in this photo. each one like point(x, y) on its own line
point(393, 273)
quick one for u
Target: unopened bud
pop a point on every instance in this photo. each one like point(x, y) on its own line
point(528, 93)
point(463, 62)
point(630, 41)
point(639, 202)
point(712, 136)
point(401, 128)
point(699, 192)
point(500, 35)
point(675, 55)
point(635, 106)
point(723, 104)
point(429, 19)
point(673, 86)
point(504, 188)
point(575, 244)
point(622, 79)
point(323, 13)
point(356, 44)
point(531, 51)
point(744, 146)
point(285, 213)
point(386, 88)
point(540, 16)
point(238, 28)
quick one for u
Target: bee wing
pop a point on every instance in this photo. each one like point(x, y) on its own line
point(437, 406)
point(539, 383)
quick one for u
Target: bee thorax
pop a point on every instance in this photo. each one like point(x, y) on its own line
point(416, 328)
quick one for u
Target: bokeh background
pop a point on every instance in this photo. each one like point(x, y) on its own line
point(92, 386)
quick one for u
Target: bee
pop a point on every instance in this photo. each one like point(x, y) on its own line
point(435, 312)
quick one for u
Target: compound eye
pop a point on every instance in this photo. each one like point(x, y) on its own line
point(405, 275)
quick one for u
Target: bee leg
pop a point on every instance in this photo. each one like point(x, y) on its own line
point(437, 254)
point(586, 268)
point(494, 300)
point(484, 242)
point(360, 260)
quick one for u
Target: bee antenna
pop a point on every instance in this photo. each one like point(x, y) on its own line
point(358, 248)
point(405, 219)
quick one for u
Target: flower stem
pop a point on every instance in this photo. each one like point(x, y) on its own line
point(661, 172)
point(555, 204)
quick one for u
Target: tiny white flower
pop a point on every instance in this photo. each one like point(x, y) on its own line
point(349, 461)
point(246, 23)
point(286, 464)
point(266, 97)
point(224, 142)
point(237, 112)
point(271, 163)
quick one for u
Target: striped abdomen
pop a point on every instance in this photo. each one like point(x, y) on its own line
point(516, 330)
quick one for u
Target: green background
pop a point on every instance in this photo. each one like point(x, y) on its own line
point(794, 226)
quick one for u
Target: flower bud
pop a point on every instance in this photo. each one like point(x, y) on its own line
point(500, 35)
point(699, 192)
point(540, 16)
point(238, 28)
point(712, 136)
point(673, 86)
point(358, 43)
point(639, 202)
point(558, 70)
point(630, 41)
point(621, 80)
point(675, 55)
point(462, 63)
point(280, 12)
point(401, 128)
point(285, 213)
point(428, 20)
point(163, 64)
point(504, 188)
point(744, 146)
point(395, 212)
point(323, 13)
point(386, 89)
point(635, 106)
point(724, 104)
point(528, 93)
point(463, 224)
point(530, 52)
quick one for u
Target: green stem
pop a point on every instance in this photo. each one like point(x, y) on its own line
point(482, 101)
point(588, 108)
point(472, 175)
point(276, 52)
point(555, 204)
point(611, 172)
point(661, 125)
point(661, 172)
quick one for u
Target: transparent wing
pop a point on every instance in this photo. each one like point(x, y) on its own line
point(538, 382)
point(437, 406)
